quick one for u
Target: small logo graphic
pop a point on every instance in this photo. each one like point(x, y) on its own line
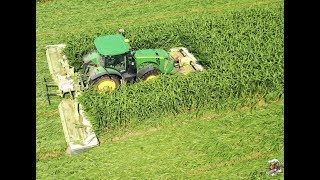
point(274, 167)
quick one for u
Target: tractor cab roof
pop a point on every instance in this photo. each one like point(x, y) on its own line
point(111, 45)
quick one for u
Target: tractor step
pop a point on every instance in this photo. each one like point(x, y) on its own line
point(76, 127)
point(129, 77)
point(50, 93)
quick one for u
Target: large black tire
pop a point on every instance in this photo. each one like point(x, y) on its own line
point(106, 83)
point(150, 74)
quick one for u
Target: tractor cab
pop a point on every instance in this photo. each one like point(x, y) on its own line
point(114, 50)
point(111, 59)
point(117, 62)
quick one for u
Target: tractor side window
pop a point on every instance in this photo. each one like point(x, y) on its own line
point(118, 62)
point(102, 63)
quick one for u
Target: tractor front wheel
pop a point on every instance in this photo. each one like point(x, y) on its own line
point(150, 74)
point(106, 83)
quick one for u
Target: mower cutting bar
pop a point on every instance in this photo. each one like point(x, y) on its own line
point(186, 61)
point(58, 63)
point(77, 128)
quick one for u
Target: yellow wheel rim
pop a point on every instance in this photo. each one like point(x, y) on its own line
point(106, 85)
point(151, 77)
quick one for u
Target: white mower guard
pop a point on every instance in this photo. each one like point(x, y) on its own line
point(76, 127)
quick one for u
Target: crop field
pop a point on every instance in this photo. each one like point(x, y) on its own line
point(224, 123)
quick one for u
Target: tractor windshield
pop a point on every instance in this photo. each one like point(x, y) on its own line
point(118, 62)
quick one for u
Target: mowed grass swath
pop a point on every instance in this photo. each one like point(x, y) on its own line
point(242, 51)
point(236, 145)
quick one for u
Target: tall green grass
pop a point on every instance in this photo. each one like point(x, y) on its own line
point(242, 51)
point(218, 41)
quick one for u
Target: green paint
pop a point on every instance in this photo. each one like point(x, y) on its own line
point(111, 70)
point(154, 56)
point(110, 45)
point(99, 70)
point(95, 57)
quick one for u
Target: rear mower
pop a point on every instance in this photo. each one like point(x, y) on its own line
point(111, 64)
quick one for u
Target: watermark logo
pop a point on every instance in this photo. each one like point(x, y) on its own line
point(274, 167)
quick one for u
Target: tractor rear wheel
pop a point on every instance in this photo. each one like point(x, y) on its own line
point(151, 74)
point(106, 83)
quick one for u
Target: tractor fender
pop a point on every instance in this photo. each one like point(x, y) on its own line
point(112, 72)
point(145, 70)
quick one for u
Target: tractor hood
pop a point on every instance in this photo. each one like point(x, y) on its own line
point(151, 54)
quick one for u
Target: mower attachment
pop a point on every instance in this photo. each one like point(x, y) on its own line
point(186, 61)
point(76, 127)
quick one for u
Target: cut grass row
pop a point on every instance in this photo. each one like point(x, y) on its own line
point(235, 145)
point(59, 18)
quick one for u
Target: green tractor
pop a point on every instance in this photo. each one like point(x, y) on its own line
point(112, 63)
